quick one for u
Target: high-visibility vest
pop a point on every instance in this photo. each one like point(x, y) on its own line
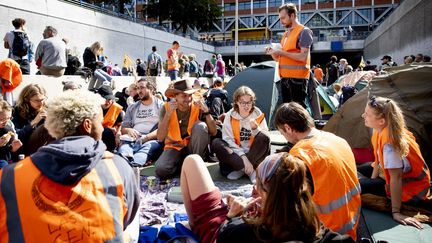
point(336, 186)
point(319, 74)
point(235, 124)
point(415, 183)
point(112, 115)
point(288, 67)
point(173, 65)
point(173, 138)
point(34, 208)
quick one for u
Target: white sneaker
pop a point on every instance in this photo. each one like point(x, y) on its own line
point(235, 175)
point(252, 177)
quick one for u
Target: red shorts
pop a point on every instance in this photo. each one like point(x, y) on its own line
point(209, 212)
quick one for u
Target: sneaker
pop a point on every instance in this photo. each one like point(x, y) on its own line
point(252, 177)
point(235, 175)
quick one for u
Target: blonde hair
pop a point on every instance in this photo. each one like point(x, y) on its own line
point(239, 92)
point(337, 87)
point(4, 106)
point(391, 112)
point(67, 111)
point(96, 48)
point(23, 103)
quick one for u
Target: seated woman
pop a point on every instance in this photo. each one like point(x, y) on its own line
point(283, 211)
point(399, 170)
point(29, 114)
point(245, 141)
point(93, 61)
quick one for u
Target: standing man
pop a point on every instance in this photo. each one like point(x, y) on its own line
point(173, 61)
point(293, 56)
point(140, 124)
point(51, 53)
point(332, 171)
point(185, 126)
point(19, 45)
point(154, 63)
point(140, 68)
point(71, 189)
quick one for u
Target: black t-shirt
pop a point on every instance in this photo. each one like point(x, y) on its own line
point(5, 151)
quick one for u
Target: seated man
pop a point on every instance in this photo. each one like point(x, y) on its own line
point(51, 54)
point(140, 124)
point(217, 99)
point(71, 188)
point(113, 118)
point(182, 128)
point(331, 168)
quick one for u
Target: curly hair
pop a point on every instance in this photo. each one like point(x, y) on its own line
point(67, 111)
point(23, 103)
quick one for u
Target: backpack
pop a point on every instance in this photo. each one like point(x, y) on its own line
point(153, 62)
point(193, 68)
point(21, 44)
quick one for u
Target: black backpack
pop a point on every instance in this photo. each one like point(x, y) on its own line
point(21, 44)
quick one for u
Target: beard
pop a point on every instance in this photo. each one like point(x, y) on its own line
point(145, 97)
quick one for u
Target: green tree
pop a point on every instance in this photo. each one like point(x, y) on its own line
point(183, 13)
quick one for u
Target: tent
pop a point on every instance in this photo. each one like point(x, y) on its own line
point(263, 79)
point(411, 87)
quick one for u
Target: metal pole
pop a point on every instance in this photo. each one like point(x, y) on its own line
point(236, 35)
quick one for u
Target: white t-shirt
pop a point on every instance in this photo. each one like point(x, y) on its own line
point(146, 117)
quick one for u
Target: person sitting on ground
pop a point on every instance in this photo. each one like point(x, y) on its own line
point(399, 171)
point(337, 88)
point(113, 118)
point(29, 113)
point(245, 140)
point(51, 52)
point(92, 61)
point(331, 168)
point(9, 141)
point(72, 187)
point(217, 99)
point(71, 85)
point(140, 124)
point(283, 211)
point(185, 126)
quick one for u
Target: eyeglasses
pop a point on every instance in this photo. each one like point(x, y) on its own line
point(38, 100)
point(5, 120)
point(245, 103)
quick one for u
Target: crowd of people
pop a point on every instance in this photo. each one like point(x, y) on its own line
point(75, 180)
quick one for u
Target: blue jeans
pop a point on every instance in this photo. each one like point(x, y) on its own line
point(139, 154)
point(173, 74)
point(3, 163)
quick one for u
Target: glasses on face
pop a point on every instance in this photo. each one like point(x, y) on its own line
point(38, 100)
point(242, 103)
point(5, 120)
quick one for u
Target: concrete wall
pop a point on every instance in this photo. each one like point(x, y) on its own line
point(408, 30)
point(83, 27)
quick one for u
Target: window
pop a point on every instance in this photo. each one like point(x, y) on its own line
point(329, 15)
point(317, 21)
point(366, 13)
point(274, 3)
point(304, 17)
point(259, 4)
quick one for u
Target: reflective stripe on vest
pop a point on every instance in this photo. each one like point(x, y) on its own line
point(13, 221)
point(173, 138)
point(415, 183)
point(112, 115)
point(235, 124)
point(94, 209)
point(336, 187)
point(288, 67)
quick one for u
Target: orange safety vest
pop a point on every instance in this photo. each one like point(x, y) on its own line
point(173, 138)
point(336, 187)
point(415, 183)
point(34, 208)
point(112, 114)
point(173, 65)
point(235, 124)
point(288, 67)
point(319, 74)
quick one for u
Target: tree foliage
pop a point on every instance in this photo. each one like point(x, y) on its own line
point(184, 13)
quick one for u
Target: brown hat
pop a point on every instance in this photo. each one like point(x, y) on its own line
point(181, 86)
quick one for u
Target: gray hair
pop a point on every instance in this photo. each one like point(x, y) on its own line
point(67, 111)
point(52, 29)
